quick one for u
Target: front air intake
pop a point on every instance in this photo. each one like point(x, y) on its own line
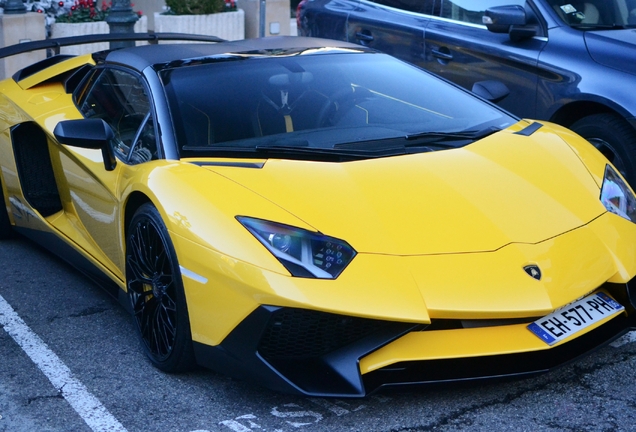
point(302, 334)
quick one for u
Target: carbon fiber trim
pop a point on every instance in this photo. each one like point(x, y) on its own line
point(55, 44)
point(331, 370)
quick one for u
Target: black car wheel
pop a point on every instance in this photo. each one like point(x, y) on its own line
point(613, 137)
point(6, 231)
point(155, 290)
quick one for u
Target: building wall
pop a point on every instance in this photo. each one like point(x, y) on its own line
point(19, 28)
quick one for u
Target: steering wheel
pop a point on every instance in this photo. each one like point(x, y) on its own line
point(338, 103)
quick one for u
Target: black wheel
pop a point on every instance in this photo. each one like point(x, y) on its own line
point(155, 290)
point(6, 231)
point(613, 137)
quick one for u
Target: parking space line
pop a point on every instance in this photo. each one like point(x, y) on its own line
point(76, 394)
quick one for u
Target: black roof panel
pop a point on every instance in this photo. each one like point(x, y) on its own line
point(143, 56)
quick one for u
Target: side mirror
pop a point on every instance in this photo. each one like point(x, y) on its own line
point(90, 134)
point(510, 19)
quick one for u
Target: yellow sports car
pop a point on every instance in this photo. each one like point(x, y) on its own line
point(317, 217)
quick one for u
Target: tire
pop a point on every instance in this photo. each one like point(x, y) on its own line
point(613, 137)
point(6, 230)
point(155, 291)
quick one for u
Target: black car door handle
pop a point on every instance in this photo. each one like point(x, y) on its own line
point(442, 55)
point(364, 37)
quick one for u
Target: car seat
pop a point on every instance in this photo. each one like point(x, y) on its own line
point(288, 104)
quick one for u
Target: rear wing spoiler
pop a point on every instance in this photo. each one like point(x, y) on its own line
point(56, 44)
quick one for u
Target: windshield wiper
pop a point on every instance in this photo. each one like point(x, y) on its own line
point(427, 141)
point(438, 137)
point(296, 152)
point(323, 153)
point(350, 151)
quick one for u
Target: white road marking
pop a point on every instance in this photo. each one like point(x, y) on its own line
point(629, 337)
point(337, 410)
point(76, 394)
point(234, 425)
point(296, 414)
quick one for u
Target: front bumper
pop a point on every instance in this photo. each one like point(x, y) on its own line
point(434, 319)
point(315, 353)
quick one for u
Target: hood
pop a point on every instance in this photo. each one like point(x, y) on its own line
point(613, 48)
point(505, 188)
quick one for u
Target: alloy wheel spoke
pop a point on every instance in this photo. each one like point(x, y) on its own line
point(165, 332)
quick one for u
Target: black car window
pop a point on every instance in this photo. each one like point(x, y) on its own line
point(120, 99)
point(608, 13)
point(418, 6)
point(145, 144)
point(469, 11)
point(313, 102)
point(630, 9)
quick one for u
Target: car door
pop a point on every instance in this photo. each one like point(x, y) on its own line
point(461, 49)
point(120, 98)
point(395, 27)
point(324, 18)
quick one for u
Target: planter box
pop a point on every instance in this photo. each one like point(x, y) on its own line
point(226, 25)
point(96, 27)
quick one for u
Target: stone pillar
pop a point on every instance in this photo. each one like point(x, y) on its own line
point(277, 17)
point(17, 28)
point(122, 19)
point(148, 8)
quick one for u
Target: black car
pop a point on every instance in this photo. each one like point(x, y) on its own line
point(569, 62)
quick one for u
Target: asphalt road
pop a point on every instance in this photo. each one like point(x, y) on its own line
point(89, 370)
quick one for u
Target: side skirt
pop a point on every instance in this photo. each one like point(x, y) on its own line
point(52, 243)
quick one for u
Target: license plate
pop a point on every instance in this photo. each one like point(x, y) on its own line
point(575, 317)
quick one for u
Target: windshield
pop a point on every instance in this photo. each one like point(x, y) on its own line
point(318, 104)
point(602, 14)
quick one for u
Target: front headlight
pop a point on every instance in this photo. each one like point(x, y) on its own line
point(616, 196)
point(304, 253)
